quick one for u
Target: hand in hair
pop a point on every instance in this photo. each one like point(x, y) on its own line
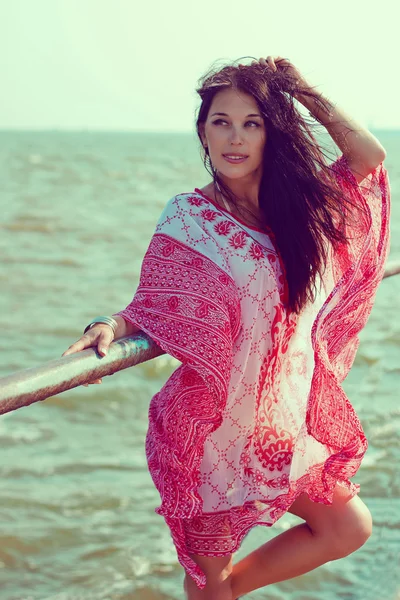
point(285, 65)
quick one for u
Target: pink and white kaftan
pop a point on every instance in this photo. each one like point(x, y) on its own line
point(256, 414)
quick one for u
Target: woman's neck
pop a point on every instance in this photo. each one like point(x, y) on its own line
point(249, 206)
point(245, 211)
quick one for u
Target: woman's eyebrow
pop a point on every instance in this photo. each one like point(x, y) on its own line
point(226, 115)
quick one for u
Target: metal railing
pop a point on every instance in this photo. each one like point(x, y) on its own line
point(56, 376)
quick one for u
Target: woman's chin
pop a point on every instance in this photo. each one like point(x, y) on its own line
point(232, 170)
point(233, 173)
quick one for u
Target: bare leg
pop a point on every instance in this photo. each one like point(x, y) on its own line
point(288, 555)
point(218, 574)
point(292, 553)
point(220, 591)
point(331, 532)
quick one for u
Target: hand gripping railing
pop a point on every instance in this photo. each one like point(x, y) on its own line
point(56, 376)
point(38, 383)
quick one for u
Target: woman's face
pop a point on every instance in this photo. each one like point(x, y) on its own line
point(240, 130)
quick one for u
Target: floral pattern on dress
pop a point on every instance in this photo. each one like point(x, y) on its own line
point(256, 414)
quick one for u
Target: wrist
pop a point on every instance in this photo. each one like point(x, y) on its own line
point(307, 101)
point(124, 327)
point(121, 330)
point(102, 320)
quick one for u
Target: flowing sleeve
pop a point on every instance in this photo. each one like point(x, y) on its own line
point(358, 269)
point(368, 229)
point(186, 300)
point(188, 303)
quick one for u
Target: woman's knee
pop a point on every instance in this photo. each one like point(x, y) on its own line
point(345, 525)
point(353, 530)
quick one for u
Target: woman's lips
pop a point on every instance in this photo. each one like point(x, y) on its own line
point(235, 161)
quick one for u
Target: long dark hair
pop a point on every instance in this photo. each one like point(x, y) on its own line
point(301, 204)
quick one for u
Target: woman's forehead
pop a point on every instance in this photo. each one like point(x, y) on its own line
point(233, 101)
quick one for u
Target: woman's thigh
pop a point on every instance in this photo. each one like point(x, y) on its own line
point(218, 572)
point(347, 521)
point(216, 568)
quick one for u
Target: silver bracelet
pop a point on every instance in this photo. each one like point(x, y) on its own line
point(106, 320)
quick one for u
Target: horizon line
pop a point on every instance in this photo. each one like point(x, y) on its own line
point(127, 130)
point(94, 130)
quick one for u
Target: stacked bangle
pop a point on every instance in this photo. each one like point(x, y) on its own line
point(106, 320)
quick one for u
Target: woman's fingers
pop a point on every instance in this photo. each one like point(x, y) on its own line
point(266, 62)
point(81, 344)
point(100, 337)
point(105, 339)
point(90, 382)
point(271, 63)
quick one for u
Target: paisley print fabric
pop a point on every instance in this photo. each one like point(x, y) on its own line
point(255, 414)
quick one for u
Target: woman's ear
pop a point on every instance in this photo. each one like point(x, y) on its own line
point(203, 136)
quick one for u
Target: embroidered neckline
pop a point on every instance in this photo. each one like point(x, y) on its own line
point(229, 213)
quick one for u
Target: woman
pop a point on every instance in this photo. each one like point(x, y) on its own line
point(255, 423)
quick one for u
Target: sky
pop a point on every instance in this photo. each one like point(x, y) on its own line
point(134, 65)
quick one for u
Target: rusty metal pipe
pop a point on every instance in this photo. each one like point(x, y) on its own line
point(56, 376)
point(32, 385)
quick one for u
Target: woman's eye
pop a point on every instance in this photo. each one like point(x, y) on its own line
point(222, 121)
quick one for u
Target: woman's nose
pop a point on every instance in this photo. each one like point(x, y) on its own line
point(235, 136)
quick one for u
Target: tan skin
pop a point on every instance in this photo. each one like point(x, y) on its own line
point(99, 335)
point(329, 532)
point(236, 133)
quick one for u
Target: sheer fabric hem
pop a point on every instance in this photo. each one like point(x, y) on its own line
point(221, 534)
